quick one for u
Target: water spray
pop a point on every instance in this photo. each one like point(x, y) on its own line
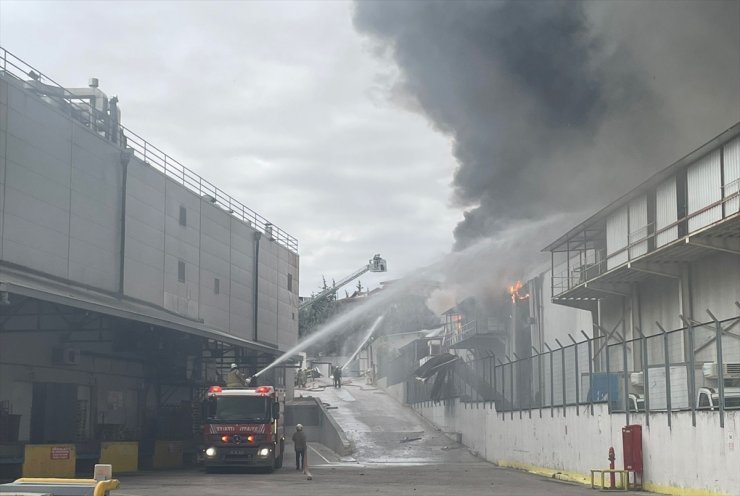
point(485, 260)
point(364, 341)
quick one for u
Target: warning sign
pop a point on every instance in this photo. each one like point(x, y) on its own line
point(60, 453)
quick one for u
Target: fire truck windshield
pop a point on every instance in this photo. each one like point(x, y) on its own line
point(239, 409)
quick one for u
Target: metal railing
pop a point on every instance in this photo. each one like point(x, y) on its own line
point(693, 368)
point(70, 104)
point(639, 244)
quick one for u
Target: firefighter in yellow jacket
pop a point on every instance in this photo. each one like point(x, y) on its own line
point(235, 378)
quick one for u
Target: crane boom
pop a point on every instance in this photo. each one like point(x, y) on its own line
point(376, 264)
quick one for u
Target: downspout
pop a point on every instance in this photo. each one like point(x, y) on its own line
point(257, 236)
point(126, 155)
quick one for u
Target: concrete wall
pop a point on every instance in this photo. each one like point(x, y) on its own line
point(60, 215)
point(318, 425)
point(681, 457)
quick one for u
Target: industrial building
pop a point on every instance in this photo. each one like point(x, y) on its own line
point(128, 283)
point(636, 322)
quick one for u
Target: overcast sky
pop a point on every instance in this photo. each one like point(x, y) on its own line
point(317, 114)
point(281, 104)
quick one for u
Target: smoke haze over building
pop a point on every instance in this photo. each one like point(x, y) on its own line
point(559, 106)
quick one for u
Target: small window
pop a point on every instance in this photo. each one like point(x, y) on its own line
point(216, 286)
point(290, 282)
point(181, 271)
point(183, 216)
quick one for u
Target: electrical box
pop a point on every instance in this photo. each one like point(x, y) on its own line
point(632, 447)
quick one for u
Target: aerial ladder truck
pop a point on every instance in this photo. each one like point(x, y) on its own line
point(376, 264)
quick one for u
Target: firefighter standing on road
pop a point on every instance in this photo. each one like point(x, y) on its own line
point(300, 445)
point(337, 377)
point(235, 378)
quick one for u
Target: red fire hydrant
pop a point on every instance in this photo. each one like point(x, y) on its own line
point(612, 478)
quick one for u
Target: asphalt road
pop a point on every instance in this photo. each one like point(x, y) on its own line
point(381, 465)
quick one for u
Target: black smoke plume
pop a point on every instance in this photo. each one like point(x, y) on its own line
point(560, 106)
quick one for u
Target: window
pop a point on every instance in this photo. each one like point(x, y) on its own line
point(181, 271)
point(704, 401)
point(216, 286)
point(183, 216)
point(290, 282)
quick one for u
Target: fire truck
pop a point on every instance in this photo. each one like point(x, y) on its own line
point(242, 428)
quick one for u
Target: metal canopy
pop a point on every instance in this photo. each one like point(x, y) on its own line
point(44, 289)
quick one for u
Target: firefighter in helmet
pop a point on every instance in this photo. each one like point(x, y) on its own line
point(235, 378)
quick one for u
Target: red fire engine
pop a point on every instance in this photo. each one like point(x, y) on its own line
point(241, 427)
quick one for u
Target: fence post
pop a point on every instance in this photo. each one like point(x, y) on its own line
point(578, 395)
point(645, 381)
point(692, 369)
point(667, 373)
point(562, 373)
point(720, 372)
point(552, 383)
point(511, 383)
point(590, 372)
point(626, 382)
point(539, 379)
point(605, 347)
point(491, 367)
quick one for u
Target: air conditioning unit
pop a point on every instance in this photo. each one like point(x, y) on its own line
point(729, 370)
point(66, 356)
point(637, 379)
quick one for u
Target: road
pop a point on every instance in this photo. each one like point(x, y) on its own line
point(381, 464)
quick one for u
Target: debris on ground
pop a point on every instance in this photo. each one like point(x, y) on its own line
point(407, 439)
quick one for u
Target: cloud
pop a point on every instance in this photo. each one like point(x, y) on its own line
point(280, 104)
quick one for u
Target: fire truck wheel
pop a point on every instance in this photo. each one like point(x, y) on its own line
point(279, 460)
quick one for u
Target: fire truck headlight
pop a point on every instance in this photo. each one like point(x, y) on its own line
point(264, 452)
point(211, 452)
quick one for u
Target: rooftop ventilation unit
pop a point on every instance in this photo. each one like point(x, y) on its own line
point(729, 370)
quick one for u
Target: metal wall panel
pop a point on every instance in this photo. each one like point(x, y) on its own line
point(732, 176)
point(704, 182)
point(666, 212)
point(638, 227)
point(617, 229)
point(144, 256)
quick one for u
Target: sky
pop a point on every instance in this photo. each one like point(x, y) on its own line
point(283, 105)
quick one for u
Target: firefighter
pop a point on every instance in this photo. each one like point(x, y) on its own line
point(300, 446)
point(300, 379)
point(337, 377)
point(235, 378)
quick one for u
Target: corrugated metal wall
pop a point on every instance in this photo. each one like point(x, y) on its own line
point(617, 229)
point(704, 182)
point(732, 175)
point(666, 212)
point(638, 227)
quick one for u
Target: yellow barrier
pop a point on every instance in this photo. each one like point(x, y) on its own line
point(124, 456)
point(49, 460)
point(101, 487)
point(168, 454)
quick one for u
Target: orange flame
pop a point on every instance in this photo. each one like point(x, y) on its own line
point(515, 294)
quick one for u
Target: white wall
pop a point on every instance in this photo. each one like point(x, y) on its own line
point(702, 457)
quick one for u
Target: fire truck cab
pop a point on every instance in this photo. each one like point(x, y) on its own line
point(242, 428)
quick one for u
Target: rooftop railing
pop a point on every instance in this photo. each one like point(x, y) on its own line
point(64, 100)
